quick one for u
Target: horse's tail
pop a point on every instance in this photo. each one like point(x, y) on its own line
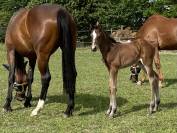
point(68, 51)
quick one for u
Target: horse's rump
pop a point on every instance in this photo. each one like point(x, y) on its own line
point(160, 31)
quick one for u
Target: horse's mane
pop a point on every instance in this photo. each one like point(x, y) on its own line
point(112, 39)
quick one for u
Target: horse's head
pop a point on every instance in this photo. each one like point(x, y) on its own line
point(95, 34)
point(20, 83)
point(135, 70)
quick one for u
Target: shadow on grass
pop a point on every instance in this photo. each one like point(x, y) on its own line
point(92, 103)
point(146, 106)
point(169, 82)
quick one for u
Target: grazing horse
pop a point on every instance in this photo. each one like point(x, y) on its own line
point(36, 34)
point(116, 56)
point(161, 33)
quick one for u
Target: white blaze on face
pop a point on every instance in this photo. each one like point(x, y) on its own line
point(94, 35)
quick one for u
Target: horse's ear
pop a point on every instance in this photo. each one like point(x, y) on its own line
point(90, 27)
point(97, 23)
point(6, 66)
point(26, 62)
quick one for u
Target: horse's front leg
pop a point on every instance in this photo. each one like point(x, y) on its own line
point(45, 79)
point(11, 79)
point(30, 81)
point(158, 67)
point(112, 88)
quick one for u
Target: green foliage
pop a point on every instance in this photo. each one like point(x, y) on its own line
point(110, 13)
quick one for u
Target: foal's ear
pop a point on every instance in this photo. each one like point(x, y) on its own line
point(6, 66)
point(97, 23)
point(90, 27)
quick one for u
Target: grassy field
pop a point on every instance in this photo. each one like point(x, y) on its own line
point(92, 100)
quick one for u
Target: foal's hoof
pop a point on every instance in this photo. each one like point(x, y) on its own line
point(111, 113)
point(7, 109)
point(111, 116)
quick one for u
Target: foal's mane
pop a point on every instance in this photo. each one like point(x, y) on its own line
point(110, 37)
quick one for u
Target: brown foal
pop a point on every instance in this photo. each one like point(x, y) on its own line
point(117, 56)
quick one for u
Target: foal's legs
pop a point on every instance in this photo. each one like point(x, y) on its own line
point(155, 98)
point(11, 79)
point(158, 66)
point(42, 61)
point(112, 87)
point(32, 63)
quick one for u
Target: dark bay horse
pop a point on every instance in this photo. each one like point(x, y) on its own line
point(161, 33)
point(116, 56)
point(36, 34)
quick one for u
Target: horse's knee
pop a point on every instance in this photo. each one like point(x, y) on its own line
point(46, 78)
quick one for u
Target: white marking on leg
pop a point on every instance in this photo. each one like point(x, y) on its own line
point(39, 106)
point(114, 105)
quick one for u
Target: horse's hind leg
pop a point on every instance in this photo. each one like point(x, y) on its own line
point(112, 87)
point(11, 79)
point(155, 98)
point(158, 67)
point(32, 63)
point(42, 61)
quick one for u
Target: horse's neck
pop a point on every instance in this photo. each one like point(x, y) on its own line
point(105, 45)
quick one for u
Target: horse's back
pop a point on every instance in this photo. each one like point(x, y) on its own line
point(31, 30)
point(160, 31)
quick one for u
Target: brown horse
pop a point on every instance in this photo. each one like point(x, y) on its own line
point(161, 33)
point(36, 34)
point(117, 56)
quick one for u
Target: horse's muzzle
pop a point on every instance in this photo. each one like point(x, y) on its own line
point(20, 91)
point(94, 49)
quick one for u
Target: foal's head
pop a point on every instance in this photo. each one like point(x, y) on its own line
point(20, 83)
point(95, 34)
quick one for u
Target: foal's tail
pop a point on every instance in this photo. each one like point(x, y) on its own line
point(68, 51)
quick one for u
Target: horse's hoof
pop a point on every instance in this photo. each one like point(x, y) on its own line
point(111, 115)
point(139, 83)
point(7, 109)
point(108, 112)
point(65, 115)
point(34, 113)
point(161, 84)
point(27, 104)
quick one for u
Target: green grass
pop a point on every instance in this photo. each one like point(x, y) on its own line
point(92, 100)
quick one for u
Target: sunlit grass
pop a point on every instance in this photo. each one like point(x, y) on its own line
point(92, 100)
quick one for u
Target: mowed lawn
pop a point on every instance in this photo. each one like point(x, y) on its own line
point(92, 99)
